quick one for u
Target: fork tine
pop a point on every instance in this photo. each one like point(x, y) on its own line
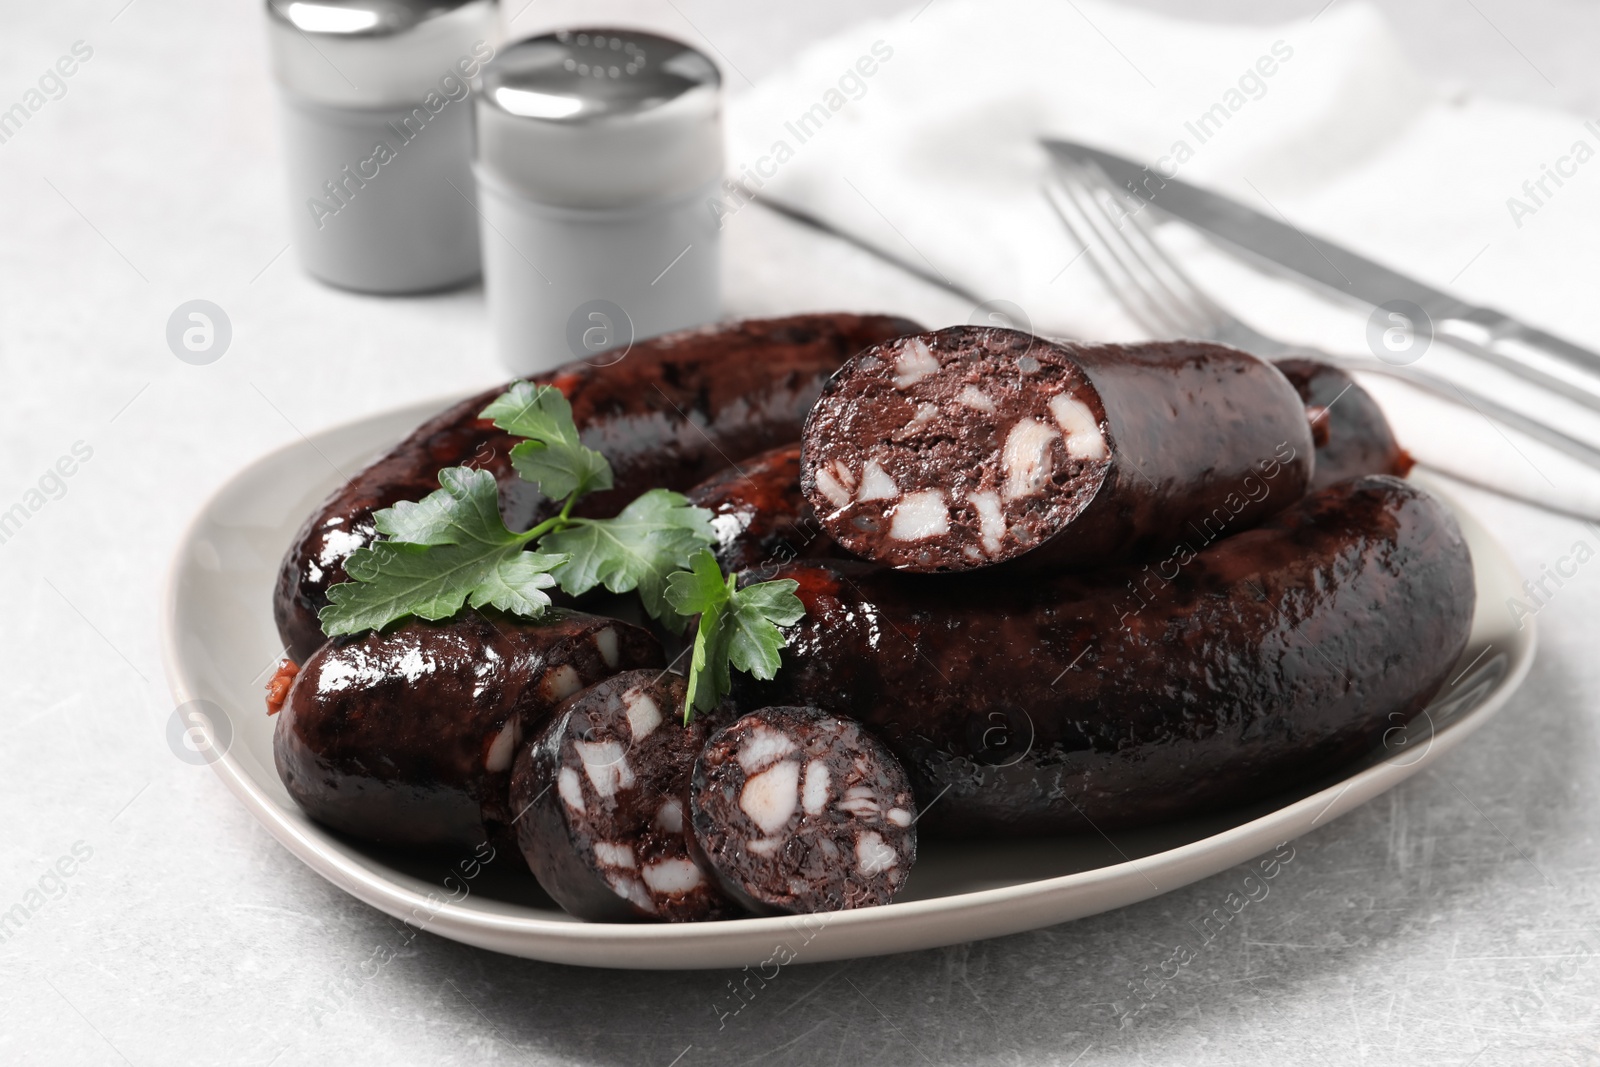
point(1061, 202)
point(1168, 287)
point(1061, 191)
point(1177, 280)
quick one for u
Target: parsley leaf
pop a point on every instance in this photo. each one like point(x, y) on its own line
point(449, 549)
point(466, 504)
point(738, 628)
point(757, 612)
point(650, 539)
point(516, 584)
point(552, 457)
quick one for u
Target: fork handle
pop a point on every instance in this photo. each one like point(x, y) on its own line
point(1526, 352)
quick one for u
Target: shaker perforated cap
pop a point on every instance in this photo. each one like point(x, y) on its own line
point(377, 53)
point(600, 118)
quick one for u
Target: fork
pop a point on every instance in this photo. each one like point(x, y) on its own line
point(1165, 301)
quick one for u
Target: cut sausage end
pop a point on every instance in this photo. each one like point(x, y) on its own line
point(954, 449)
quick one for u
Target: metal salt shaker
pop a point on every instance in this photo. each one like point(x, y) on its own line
point(597, 154)
point(378, 137)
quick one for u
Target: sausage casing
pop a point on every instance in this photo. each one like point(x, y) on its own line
point(1347, 425)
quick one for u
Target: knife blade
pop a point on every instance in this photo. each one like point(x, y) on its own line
point(1287, 249)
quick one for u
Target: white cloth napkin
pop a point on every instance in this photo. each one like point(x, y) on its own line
point(918, 136)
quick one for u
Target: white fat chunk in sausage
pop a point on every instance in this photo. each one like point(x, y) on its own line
point(1025, 458)
point(913, 363)
point(876, 483)
point(814, 794)
point(614, 855)
point(771, 796)
point(629, 888)
point(763, 746)
point(503, 747)
point(605, 642)
point(1084, 439)
point(920, 515)
point(606, 764)
point(669, 817)
point(672, 877)
point(859, 801)
point(643, 714)
point(832, 486)
point(561, 683)
point(873, 854)
point(763, 846)
point(899, 816)
point(991, 522)
point(570, 788)
point(925, 413)
point(976, 399)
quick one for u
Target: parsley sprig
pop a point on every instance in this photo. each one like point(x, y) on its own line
point(452, 548)
point(737, 626)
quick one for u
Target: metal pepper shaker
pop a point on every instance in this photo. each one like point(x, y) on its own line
point(378, 137)
point(598, 152)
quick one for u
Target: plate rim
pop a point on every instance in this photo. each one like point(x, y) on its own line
point(1013, 908)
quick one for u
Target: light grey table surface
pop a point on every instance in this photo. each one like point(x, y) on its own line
point(1454, 921)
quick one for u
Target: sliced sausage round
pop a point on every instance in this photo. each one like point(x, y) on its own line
point(406, 736)
point(972, 446)
point(599, 797)
point(798, 811)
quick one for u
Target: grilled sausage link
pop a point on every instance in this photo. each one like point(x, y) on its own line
point(407, 736)
point(762, 519)
point(1135, 694)
point(971, 446)
point(675, 409)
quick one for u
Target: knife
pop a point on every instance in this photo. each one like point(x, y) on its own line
point(1483, 332)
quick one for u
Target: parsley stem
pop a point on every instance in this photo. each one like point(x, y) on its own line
point(555, 522)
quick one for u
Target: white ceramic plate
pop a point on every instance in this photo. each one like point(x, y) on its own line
point(220, 647)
